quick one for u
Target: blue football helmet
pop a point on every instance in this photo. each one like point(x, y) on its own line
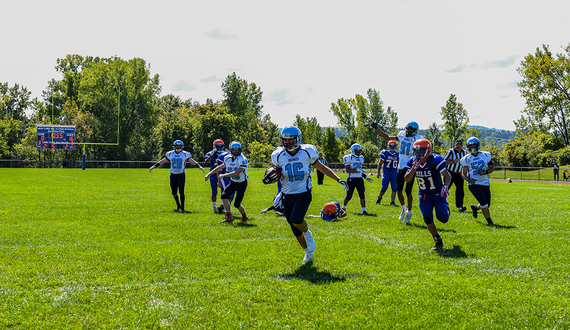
point(235, 148)
point(411, 128)
point(473, 145)
point(294, 135)
point(356, 150)
point(178, 145)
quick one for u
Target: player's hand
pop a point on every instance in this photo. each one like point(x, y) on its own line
point(372, 124)
point(378, 175)
point(151, 168)
point(483, 172)
point(471, 181)
point(344, 183)
point(263, 211)
point(369, 179)
point(417, 163)
point(444, 191)
point(201, 168)
point(206, 177)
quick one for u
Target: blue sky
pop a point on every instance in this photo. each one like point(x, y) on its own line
point(304, 55)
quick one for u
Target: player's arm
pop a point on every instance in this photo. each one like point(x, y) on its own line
point(214, 171)
point(328, 172)
point(192, 161)
point(383, 134)
point(157, 164)
point(446, 177)
point(491, 167)
point(349, 169)
point(379, 167)
point(232, 174)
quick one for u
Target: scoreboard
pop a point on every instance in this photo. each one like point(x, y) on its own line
point(56, 137)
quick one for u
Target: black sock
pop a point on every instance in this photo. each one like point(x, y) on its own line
point(177, 201)
point(182, 198)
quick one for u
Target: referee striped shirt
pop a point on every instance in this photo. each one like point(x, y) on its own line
point(453, 154)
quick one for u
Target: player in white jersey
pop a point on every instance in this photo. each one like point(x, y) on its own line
point(475, 169)
point(407, 137)
point(178, 158)
point(353, 165)
point(295, 160)
point(235, 164)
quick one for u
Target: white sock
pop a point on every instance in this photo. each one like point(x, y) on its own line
point(214, 204)
point(344, 206)
point(404, 209)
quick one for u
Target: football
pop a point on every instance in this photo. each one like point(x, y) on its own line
point(271, 175)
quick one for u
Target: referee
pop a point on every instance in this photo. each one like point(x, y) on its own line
point(452, 159)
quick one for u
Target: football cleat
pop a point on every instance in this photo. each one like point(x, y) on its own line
point(311, 245)
point(244, 218)
point(308, 257)
point(474, 209)
point(438, 244)
point(402, 215)
point(462, 209)
point(408, 217)
point(378, 201)
point(229, 218)
point(392, 204)
point(365, 213)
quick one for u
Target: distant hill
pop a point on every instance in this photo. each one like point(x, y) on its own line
point(499, 136)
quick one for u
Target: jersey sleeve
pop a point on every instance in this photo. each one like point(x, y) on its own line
point(313, 153)
point(410, 162)
point(383, 156)
point(346, 159)
point(440, 164)
point(275, 156)
point(243, 162)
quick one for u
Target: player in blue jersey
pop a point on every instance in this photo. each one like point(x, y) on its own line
point(353, 165)
point(212, 160)
point(236, 165)
point(428, 169)
point(388, 163)
point(332, 211)
point(178, 158)
point(224, 182)
point(295, 160)
point(407, 137)
point(475, 168)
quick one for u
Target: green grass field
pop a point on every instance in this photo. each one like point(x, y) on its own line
point(105, 249)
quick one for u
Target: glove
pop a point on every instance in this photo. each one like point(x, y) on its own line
point(471, 181)
point(368, 179)
point(483, 172)
point(201, 168)
point(361, 170)
point(416, 164)
point(372, 124)
point(444, 191)
point(151, 168)
point(264, 211)
point(344, 183)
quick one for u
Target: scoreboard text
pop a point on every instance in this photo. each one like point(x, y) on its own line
point(56, 137)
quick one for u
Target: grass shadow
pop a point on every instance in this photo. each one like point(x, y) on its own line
point(454, 252)
point(310, 273)
point(443, 230)
point(499, 226)
point(245, 224)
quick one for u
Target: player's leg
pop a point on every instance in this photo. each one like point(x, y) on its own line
point(383, 189)
point(181, 185)
point(296, 207)
point(240, 193)
point(400, 182)
point(410, 198)
point(441, 208)
point(174, 190)
point(230, 190)
point(485, 207)
point(349, 193)
point(214, 188)
point(361, 189)
point(426, 206)
point(394, 186)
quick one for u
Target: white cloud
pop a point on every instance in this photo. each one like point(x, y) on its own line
point(183, 86)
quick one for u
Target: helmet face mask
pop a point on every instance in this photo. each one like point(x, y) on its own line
point(235, 148)
point(422, 148)
point(411, 128)
point(356, 150)
point(473, 145)
point(290, 138)
point(178, 145)
point(392, 145)
point(219, 145)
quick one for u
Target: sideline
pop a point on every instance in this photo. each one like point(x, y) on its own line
point(522, 180)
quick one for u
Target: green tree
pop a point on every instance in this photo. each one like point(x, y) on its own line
point(433, 134)
point(455, 120)
point(546, 88)
point(332, 146)
point(342, 110)
point(14, 101)
point(242, 99)
point(311, 131)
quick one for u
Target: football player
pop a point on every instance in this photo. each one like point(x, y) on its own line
point(295, 160)
point(211, 159)
point(178, 158)
point(353, 165)
point(332, 211)
point(389, 161)
point(236, 165)
point(428, 169)
point(475, 168)
point(407, 137)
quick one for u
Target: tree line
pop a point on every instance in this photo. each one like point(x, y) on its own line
point(117, 101)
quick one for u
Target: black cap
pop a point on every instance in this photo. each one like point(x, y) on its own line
point(458, 141)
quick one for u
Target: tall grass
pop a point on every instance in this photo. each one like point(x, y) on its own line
point(105, 249)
